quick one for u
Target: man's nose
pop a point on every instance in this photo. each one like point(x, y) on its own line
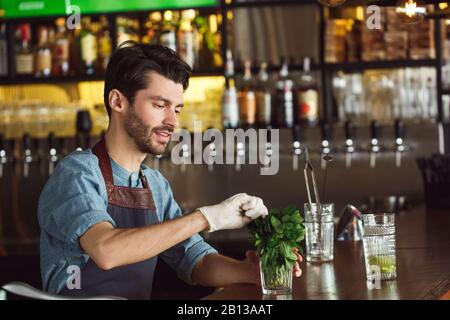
point(171, 118)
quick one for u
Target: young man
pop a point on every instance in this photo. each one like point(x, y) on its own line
point(104, 213)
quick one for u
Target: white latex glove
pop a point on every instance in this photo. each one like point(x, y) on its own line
point(234, 212)
point(255, 208)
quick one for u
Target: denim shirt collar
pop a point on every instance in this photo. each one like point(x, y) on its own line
point(126, 178)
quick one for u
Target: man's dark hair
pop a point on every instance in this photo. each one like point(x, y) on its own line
point(129, 65)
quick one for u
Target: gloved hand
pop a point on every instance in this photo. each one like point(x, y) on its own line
point(234, 212)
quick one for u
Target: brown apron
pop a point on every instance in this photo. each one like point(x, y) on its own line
point(129, 208)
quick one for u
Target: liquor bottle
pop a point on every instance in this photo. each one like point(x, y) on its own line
point(74, 52)
point(51, 38)
point(134, 27)
point(229, 64)
point(263, 98)
point(104, 45)
point(284, 70)
point(51, 43)
point(186, 37)
point(216, 52)
point(61, 50)
point(122, 31)
point(203, 43)
point(127, 29)
point(199, 24)
point(43, 56)
point(168, 31)
point(3, 51)
point(24, 54)
point(247, 99)
point(230, 105)
point(284, 99)
point(152, 28)
point(88, 46)
point(308, 96)
point(198, 39)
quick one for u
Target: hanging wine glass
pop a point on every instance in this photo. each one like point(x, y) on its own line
point(331, 3)
point(410, 11)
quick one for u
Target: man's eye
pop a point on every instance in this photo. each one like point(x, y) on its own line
point(159, 106)
point(177, 111)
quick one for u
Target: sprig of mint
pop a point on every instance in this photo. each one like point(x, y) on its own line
point(276, 235)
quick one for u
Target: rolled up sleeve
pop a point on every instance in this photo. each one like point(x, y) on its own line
point(73, 200)
point(184, 256)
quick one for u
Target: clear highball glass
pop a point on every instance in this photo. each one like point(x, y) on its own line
point(319, 225)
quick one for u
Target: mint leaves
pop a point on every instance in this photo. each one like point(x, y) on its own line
point(277, 235)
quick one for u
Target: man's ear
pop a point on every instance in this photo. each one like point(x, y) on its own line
point(117, 101)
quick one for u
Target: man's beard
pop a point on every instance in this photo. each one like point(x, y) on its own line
point(142, 134)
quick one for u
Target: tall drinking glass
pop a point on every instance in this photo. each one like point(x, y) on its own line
point(379, 246)
point(319, 225)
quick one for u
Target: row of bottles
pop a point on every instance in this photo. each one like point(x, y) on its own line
point(195, 37)
point(289, 99)
point(386, 95)
point(44, 50)
point(260, 102)
point(59, 52)
point(95, 45)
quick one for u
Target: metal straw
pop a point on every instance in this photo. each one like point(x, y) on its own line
point(317, 227)
point(326, 159)
point(309, 167)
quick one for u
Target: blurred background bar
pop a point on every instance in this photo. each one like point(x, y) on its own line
point(375, 100)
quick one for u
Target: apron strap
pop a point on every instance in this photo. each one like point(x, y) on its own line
point(122, 196)
point(143, 179)
point(105, 164)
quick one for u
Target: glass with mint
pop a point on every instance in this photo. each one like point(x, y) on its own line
point(277, 238)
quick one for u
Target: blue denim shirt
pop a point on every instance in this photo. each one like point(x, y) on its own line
point(75, 199)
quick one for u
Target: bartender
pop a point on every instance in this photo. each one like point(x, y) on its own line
point(105, 213)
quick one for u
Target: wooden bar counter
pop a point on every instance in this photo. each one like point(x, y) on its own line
point(423, 266)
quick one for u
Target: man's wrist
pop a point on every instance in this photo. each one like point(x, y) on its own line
point(249, 273)
point(204, 224)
